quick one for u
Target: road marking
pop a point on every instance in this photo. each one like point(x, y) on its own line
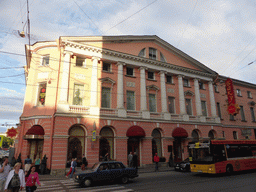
point(125, 190)
point(96, 190)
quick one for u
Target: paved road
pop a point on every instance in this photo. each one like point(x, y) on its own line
point(164, 182)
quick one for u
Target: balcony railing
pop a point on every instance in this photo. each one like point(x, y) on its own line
point(78, 109)
point(135, 114)
point(108, 112)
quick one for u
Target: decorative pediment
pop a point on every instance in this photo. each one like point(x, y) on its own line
point(188, 93)
point(107, 80)
point(152, 87)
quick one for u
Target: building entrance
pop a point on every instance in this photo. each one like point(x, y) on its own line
point(133, 146)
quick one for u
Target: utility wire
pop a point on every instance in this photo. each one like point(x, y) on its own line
point(131, 16)
point(88, 17)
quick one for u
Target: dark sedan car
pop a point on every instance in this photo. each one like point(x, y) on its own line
point(106, 171)
point(183, 165)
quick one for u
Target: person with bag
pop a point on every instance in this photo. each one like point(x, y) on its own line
point(84, 163)
point(15, 180)
point(31, 179)
point(4, 171)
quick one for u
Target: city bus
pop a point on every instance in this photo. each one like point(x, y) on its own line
point(222, 156)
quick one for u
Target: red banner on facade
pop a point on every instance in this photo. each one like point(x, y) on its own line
point(233, 108)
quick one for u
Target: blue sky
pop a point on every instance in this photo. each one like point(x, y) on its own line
point(219, 33)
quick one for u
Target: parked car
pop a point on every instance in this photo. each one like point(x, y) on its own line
point(106, 171)
point(183, 165)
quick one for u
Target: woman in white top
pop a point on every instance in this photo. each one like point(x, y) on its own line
point(15, 180)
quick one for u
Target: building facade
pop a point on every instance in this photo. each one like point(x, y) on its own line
point(120, 94)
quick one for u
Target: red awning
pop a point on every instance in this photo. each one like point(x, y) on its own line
point(35, 132)
point(180, 132)
point(135, 131)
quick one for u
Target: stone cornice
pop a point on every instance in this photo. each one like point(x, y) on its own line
point(133, 58)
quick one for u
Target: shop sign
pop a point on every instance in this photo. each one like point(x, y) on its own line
point(233, 108)
point(12, 132)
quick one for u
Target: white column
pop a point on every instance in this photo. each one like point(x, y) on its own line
point(65, 78)
point(181, 96)
point(143, 94)
point(94, 82)
point(120, 85)
point(212, 100)
point(198, 99)
point(121, 112)
point(163, 92)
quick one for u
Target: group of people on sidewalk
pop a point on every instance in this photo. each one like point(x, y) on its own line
point(15, 179)
point(73, 166)
point(133, 160)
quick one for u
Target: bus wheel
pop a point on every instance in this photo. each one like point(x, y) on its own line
point(229, 169)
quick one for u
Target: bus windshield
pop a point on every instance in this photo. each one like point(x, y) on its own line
point(201, 155)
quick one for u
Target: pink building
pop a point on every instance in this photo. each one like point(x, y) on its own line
point(122, 94)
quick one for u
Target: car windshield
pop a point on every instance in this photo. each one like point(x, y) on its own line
point(95, 166)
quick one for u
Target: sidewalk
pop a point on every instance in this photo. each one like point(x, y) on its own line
point(141, 170)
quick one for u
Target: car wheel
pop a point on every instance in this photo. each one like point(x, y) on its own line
point(124, 179)
point(229, 169)
point(87, 182)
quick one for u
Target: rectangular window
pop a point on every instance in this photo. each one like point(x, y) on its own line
point(168, 78)
point(152, 53)
point(201, 85)
point(242, 113)
point(129, 71)
point(80, 62)
point(130, 100)
point(216, 89)
point(219, 110)
point(185, 82)
point(152, 102)
point(238, 91)
point(188, 106)
point(106, 67)
point(249, 94)
point(78, 94)
point(41, 94)
point(252, 114)
point(151, 75)
point(235, 135)
point(223, 134)
point(204, 110)
point(231, 117)
point(171, 105)
point(45, 60)
point(105, 97)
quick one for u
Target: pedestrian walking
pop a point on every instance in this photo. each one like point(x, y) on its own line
point(84, 163)
point(27, 163)
point(170, 160)
point(43, 165)
point(106, 158)
point(37, 164)
point(156, 160)
point(15, 180)
point(72, 168)
point(135, 160)
point(130, 157)
point(4, 171)
point(31, 179)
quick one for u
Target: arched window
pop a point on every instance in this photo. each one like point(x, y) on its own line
point(106, 142)
point(211, 134)
point(195, 135)
point(156, 143)
point(76, 143)
point(142, 53)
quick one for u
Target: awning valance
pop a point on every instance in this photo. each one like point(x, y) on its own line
point(35, 132)
point(135, 131)
point(180, 132)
